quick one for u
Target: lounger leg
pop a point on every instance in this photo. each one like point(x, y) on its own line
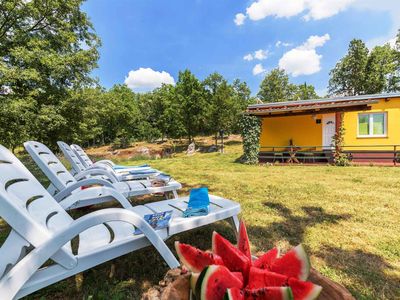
point(235, 224)
point(175, 194)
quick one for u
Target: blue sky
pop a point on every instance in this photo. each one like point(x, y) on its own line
point(146, 42)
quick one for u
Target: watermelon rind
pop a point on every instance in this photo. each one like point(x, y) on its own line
point(192, 264)
point(314, 293)
point(210, 270)
point(305, 270)
point(181, 256)
point(197, 290)
point(224, 277)
point(287, 293)
point(231, 294)
point(193, 280)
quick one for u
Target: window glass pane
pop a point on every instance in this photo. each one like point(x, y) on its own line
point(378, 124)
point(363, 124)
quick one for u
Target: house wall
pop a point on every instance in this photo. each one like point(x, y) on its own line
point(350, 123)
point(278, 131)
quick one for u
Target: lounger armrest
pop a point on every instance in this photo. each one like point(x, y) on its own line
point(86, 182)
point(14, 280)
point(105, 161)
point(96, 171)
point(68, 202)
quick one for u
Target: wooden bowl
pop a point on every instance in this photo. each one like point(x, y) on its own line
point(175, 286)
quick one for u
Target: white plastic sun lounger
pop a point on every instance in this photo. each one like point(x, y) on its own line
point(130, 171)
point(42, 231)
point(79, 170)
point(67, 188)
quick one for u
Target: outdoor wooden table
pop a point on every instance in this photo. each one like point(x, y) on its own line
point(176, 286)
point(292, 155)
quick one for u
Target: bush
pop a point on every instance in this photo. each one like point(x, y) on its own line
point(250, 130)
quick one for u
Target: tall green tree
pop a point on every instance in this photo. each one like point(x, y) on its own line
point(305, 92)
point(349, 75)
point(276, 87)
point(222, 109)
point(192, 98)
point(47, 50)
point(380, 69)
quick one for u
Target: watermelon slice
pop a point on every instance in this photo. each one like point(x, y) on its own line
point(233, 259)
point(195, 259)
point(243, 241)
point(234, 294)
point(294, 263)
point(259, 278)
point(195, 276)
point(302, 290)
point(238, 275)
point(214, 281)
point(265, 261)
point(269, 293)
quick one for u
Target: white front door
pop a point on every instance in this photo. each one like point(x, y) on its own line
point(328, 130)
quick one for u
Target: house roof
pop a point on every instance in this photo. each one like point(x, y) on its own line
point(326, 105)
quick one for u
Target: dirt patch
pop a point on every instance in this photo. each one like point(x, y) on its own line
point(157, 149)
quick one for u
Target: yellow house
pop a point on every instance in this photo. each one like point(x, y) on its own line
point(303, 131)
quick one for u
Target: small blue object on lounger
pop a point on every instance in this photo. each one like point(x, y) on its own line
point(119, 167)
point(146, 172)
point(198, 203)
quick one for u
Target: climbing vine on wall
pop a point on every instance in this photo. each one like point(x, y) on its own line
point(340, 158)
point(250, 129)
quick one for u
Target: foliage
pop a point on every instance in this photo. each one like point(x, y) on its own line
point(305, 92)
point(339, 158)
point(47, 49)
point(192, 99)
point(250, 130)
point(276, 87)
point(225, 102)
point(366, 72)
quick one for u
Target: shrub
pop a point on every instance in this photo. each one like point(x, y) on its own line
point(250, 127)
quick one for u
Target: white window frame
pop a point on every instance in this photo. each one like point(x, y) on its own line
point(371, 125)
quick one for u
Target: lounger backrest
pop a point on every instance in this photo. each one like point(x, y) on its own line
point(28, 209)
point(49, 163)
point(85, 159)
point(71, 157)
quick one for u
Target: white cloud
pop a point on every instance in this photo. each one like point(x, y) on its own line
point(283, 44)
point(315, 41)
point(248, 57)
point(258, 54)
point(321, 9)
point(279, 8)
point(258, 69)
point(146, 79)
point(261, 54)
point(239, 19)
point(304, 60)
point(313, 9)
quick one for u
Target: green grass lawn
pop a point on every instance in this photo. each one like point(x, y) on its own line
point(347, 218)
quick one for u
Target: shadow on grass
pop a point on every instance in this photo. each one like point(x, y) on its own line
point(133, 273)
point(293, 227)
point(367, 270)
